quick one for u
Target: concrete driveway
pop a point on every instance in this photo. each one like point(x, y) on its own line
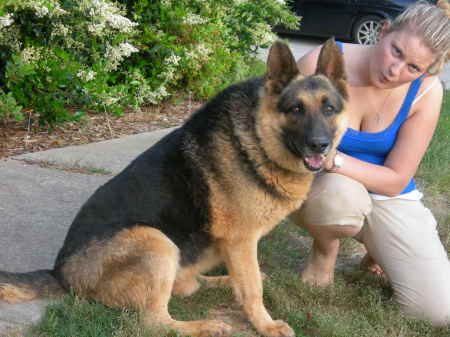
point(301, 45)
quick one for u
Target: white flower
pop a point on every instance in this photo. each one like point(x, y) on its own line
point(170, 65)
point(128, 48)
point(31, 54)
point(116, 54)
point(106, 13)
point(6, 20)
point(203, 51)
point(41, 8)
point(86, 76)
point(147, 94)
point(157, 95)
point(263, 34)
point(172, 60)
point(9, 36)
point(168, 75)
point(121, 23)
point(194, 19)
point(60, 30)
point(40, 11)
point(198, 55)
point(166, 2)
point(96, 29)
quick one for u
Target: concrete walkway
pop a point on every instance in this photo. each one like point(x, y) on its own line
point(38, 203)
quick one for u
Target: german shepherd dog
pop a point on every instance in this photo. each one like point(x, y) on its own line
point(203, 195)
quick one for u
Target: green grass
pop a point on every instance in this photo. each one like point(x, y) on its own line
point(434, 170)
point(433, 175)
point(358, 305)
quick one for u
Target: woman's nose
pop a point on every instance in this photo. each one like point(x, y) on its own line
point(394, 69)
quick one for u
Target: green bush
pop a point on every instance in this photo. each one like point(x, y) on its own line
point(9, 107)
point(59, 53)
point(201, 45)
point(105, 55)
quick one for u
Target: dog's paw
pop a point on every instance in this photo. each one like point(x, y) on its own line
point(277, 328)
point(213, 328)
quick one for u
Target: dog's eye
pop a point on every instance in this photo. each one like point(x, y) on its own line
point(329, 110)
point(296, 109)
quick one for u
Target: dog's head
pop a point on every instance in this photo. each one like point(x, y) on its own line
point(306, 114)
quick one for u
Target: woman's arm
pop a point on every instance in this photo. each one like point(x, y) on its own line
point(403, 160)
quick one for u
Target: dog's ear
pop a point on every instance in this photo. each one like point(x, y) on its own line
point(331, 64)
point(281, 68)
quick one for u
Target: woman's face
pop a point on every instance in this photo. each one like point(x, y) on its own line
point(398, 58)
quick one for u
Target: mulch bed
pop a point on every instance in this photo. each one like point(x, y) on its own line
point(27, 136)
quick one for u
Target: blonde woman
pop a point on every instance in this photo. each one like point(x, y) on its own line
point(369, 191)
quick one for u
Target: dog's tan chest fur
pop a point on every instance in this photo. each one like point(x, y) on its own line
point(246, 208)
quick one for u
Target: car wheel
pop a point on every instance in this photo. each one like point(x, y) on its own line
point(367, 30)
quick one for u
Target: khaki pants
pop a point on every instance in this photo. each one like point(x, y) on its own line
point(400, 234)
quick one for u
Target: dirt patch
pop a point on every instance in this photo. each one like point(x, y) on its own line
point(24, 137)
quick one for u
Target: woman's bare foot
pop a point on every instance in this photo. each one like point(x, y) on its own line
point(314, 275)
point(319, 269)
point(369, 264)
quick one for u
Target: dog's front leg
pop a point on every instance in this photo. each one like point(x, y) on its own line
point(242, 262)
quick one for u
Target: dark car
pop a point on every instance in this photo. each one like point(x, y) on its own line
point(355, 20)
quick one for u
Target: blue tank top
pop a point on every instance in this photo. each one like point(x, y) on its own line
point(374, 147)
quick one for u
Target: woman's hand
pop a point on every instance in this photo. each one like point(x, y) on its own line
point(328, 165)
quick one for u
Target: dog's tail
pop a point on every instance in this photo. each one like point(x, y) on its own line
point(22, 287)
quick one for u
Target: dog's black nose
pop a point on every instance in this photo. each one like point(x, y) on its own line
point(318, 144)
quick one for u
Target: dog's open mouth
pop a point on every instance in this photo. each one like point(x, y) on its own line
point(314, 161)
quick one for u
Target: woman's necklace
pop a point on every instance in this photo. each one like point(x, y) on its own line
point(379, 114)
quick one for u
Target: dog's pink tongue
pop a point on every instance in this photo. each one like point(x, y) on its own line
point(315, 160)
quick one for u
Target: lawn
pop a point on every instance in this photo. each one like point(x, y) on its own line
point(358, 305)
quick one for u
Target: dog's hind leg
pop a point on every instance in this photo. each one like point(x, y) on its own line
point(188, 277)
point(137, 270)
point(215, 281)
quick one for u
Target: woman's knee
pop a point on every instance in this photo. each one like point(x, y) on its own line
point(331, 231)
point(424, 292)
point(334, 200)
point(441, 317)
point(435, 310)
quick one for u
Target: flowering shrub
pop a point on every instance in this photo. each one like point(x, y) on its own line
point(105, 55)
point(200, 45)
point(57, 53)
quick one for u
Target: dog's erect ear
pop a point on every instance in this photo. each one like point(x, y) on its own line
point(331, 64)
point(281, 68)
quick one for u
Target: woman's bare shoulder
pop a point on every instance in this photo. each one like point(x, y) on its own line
point(307, 64)
point(429, 98)
point(430, 89)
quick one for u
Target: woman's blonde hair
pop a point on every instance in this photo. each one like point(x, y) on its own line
point(432, 24)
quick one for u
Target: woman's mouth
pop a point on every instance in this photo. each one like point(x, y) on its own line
point(384, 79)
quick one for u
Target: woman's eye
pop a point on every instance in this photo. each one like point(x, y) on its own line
point(413, 68)
point(396, 51)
